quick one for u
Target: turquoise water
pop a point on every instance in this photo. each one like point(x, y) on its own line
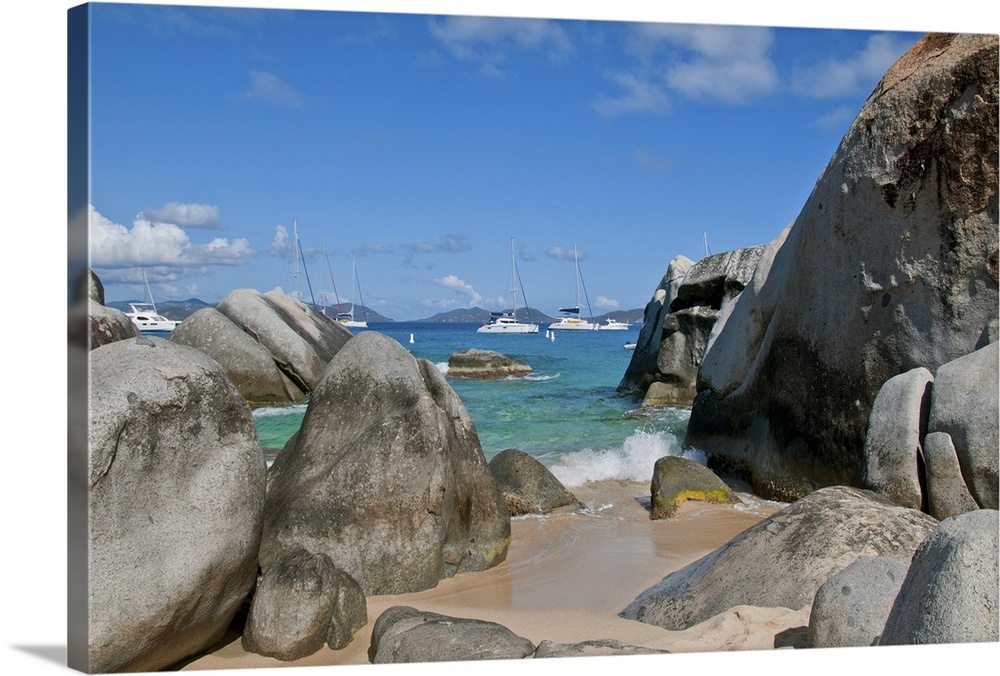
point(567, 413)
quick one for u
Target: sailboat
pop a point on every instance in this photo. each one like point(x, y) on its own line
point(570, 320)
point(144, 315)
point(506, 322)
point(347, 318)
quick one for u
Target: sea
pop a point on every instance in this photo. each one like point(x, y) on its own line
point(566, 413)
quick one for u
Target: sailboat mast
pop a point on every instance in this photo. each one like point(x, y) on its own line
point(513, 279)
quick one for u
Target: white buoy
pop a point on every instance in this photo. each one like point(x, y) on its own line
point(411, 339)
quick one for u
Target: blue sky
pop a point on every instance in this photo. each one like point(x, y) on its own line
point(419, 145)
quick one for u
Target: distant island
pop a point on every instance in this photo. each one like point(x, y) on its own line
point(181, 309)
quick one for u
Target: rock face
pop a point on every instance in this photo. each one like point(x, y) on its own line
point(300, 340)
point(851, 607)
point(386, 476)
point(485, 365)
point(176, 499)
point(891, 265)
point(403, 635)
point(947, 494)
point(685, 325)
point(300, 603)
point(677, 480)
point(950, 592)
point(642, 366)
point(527, 486)
point(250, 366)
point(782, 561)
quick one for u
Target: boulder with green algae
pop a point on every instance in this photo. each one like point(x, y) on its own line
point(677, 480)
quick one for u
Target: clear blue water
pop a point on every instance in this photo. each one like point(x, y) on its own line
point(567, 413)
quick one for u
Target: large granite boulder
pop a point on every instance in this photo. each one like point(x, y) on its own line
point(642, 367)
point(248, 363)
point(527, 486)
point(965, 405)
point(896, 428)
point(677, 480)
point(782, 561)
point(891, 265)
point(386, 476)
point(851, 607)
point(301, 603)
point(950, 591)
point(404, 635)
point(485, 365)
point(717, 278)
point(176, 499)
point(301, 340)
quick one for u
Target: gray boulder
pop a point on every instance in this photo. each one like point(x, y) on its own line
point(677, 480)
point(527, 486)
point(685, 337)
point(301, 603)
point(891, 265)
point(250, 366)
point(782, 561)
point(386, 476)
point(896, 426)
point(300, 340)
point(596, 648)
point(106, 324)
point(965, 404)
point(642, 366)
point(176, 499)
point(947, 494)
point(485, 365)
point(717, 278)
point(851, 607)
point(950, 592)
point(404, 635)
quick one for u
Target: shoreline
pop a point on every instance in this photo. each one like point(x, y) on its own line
point(569, 573)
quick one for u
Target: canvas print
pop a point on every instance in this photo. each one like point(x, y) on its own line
point(410, 338)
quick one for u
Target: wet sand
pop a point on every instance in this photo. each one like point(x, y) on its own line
point(567, 576)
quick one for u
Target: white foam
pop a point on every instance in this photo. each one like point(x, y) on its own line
point(442, 366)
point(632, 461)
point(272, 411)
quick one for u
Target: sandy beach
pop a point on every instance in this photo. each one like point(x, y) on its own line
point(568, 574)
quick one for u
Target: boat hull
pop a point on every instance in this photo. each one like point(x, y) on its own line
point(572, 326)
point(508, 328)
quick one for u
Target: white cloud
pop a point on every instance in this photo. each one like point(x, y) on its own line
point(374, 249)
point(855, 74)
point(270, 89)
point(637, 96)
point(560, 254)
point(148, 244)
point(731, 64)
point(281, 245)
point(459, 286)
point(186, 215)
point(604, 302)
point(488, 41)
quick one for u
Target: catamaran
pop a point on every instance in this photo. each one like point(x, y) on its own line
point(506, 322)
point(144, 315)
point(570, 319)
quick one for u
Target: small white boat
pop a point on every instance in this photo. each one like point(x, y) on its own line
point(146, 318)
point(144, 315)
point(570, 321)
point(614, 325)
point(347, 318)
point(506, 322)
point(630, 346)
